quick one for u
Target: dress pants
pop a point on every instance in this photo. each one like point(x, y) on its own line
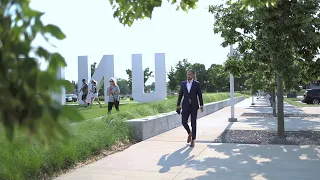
point(185, 116)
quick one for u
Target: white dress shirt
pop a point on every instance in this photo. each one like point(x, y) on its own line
point(189, 85)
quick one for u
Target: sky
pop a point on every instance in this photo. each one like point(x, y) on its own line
point(92, 31)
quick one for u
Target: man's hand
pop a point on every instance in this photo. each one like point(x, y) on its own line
point(178, 107)
point(201, 109)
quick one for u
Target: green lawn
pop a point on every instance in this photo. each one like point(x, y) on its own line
point(134, 110)
point(293, 101)
point(25, 159)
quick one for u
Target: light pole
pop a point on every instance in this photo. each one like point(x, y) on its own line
point(232, 118)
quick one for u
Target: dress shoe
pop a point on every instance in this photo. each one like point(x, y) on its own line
point(189, 138)
point(192, 143)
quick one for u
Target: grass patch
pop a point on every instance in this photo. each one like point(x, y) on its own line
point(23, 159)
point(28, 160)
point(297, 102)
point(134, 110)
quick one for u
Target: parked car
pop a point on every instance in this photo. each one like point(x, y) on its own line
point(71, 98)
point(74, 97)
point(68, 98)
point(311, 96)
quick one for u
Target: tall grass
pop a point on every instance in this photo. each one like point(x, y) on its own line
point(23, 159)
point(148, 109)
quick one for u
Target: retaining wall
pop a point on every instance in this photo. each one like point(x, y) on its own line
point(148, 127)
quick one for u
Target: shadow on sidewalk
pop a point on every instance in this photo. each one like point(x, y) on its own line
point(287, 110)
point(178, 158)
point(226, 161)
point(292, 123)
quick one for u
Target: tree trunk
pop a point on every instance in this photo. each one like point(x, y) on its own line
point(273, 102)
point(280, 107)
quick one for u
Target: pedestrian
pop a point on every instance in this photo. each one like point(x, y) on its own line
point(94, 93)
point(113, 92)
point(190, 90)
point(85, 91)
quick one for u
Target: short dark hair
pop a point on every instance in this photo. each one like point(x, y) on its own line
point(191, 70)
point(83, 80)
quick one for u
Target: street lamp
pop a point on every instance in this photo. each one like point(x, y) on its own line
point(232, 118)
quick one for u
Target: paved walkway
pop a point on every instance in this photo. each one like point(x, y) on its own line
point(167, 156)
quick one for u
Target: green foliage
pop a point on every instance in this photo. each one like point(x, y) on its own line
point(123, 85)
point(173, 83)
point(181, 70)
point(218, 77)
point(147, 74)
point(215, 78)
point(26, 91)
point(201, 72)
point(71, 87)
point(23, 159)
point(129, 11)
point(150, 87)
point(272, 40)
point(93, 68)
point(281, 41)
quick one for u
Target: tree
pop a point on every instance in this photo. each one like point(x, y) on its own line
point(280, 41)
point(26, 90)
point(75, 86)
point(147, 74)
point(123, 85)
point(129, 11)
point(93, 68)
point(150, 88)
point(181, 70)
point(173, 83)
point(100, 86)
point(71, 88)
point(218, 77)
point(200, 72)
point(129, 73)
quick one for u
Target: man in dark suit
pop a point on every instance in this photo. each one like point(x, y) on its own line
point(191, 91)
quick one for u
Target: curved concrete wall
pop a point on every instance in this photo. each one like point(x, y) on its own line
point(154, 125)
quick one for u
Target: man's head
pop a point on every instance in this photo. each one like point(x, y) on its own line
point(190, 74)
point(83, 81)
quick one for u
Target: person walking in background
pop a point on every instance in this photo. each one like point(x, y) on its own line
point(85, 91)
point(190, 90)
point(94, 93)
point(113, 92)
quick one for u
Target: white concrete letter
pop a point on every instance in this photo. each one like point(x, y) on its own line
point(138, 93)
point(60, 97)
point(104, 71)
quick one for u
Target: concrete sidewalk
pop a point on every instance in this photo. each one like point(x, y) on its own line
point(167, 156)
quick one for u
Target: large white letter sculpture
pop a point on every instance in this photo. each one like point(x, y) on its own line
point(138, 79)
point(60, 98)
point(104, 71)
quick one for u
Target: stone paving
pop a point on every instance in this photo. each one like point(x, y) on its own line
point(167, 156)
point(257, 122)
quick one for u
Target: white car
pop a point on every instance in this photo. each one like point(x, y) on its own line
point(69, 98)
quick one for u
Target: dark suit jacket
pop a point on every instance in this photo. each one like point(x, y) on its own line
point(195, 92)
